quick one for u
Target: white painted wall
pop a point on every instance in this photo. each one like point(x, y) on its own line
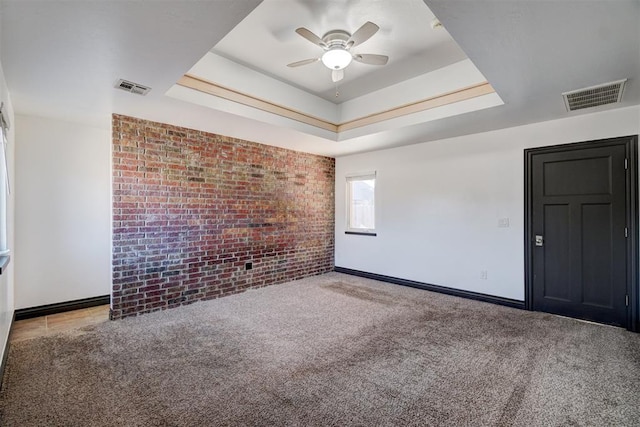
point(6, 279)
point(438, 204)
point(63, 211)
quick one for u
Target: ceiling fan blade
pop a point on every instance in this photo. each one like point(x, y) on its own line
point(368, 58)
point(337, 75)
point(311, 37)
point(303, 62)
point(362, 34)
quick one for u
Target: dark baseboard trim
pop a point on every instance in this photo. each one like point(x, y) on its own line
point(45, 310)
point(434, 288)
point(5, 354)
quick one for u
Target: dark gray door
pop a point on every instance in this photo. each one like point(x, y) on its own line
point(579, 248)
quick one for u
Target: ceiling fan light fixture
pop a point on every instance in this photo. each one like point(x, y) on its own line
point(336, 59)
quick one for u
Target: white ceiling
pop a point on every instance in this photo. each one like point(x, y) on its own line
point(61, 58)
point(266, 41)
point(425, 62)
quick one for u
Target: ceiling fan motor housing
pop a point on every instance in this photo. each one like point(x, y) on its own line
point(336, 38)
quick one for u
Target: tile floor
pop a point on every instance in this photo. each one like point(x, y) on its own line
point(46, 325)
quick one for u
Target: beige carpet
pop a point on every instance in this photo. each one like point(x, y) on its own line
point(331, 350)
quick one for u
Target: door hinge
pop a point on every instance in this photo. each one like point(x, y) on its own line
point(626, 232)
point(626, 164)
point(626, 300)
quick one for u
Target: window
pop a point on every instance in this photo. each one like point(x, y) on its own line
point(4, 182)
point(361, 216)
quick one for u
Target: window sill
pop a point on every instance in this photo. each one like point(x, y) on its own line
point(361, 233)
point(4, 261)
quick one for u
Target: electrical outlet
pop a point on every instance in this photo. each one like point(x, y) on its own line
point(503, 222)
point(483, 274)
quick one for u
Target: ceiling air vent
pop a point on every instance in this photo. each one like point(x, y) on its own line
point(608, 93)
point(132, 87)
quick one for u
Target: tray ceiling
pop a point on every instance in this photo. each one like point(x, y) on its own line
point(266, 41)
point(61, 60)
point(428, 77)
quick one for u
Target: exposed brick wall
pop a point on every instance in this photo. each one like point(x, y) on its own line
point(191, 208)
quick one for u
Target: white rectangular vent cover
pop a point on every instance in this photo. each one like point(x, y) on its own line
point(607, 93)
point(132, 87)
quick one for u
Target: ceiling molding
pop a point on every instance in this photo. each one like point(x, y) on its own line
point(463, 94)
point(214, 89)
point(211, 88)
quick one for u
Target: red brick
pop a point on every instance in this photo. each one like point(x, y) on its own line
point(190, 208)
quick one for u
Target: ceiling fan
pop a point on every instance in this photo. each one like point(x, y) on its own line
point(337, 45)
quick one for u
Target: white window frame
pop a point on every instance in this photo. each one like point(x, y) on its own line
point(5, 189)
point(360, 177)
